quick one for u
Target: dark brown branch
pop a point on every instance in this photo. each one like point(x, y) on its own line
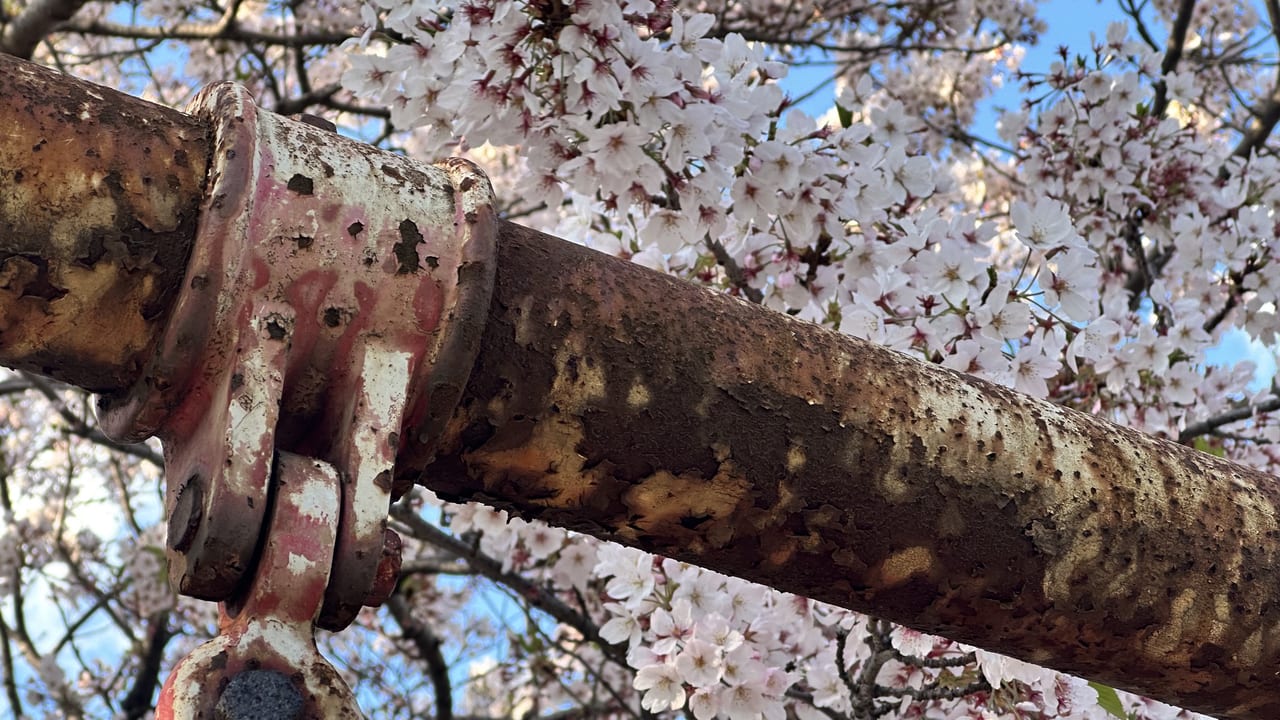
point(1234, 292)
point(807, 698)
point(216, 31)
point(535, 594)
point(1172, 55)
point(14, 386)
point(862, 691)
point(428, 645)
point(1266, 116)
point(1234, 415)
point(303, 102)
point(1134, 10)
point(138, 702)
point(731, 268)
point(79, 427)
point(10, 680)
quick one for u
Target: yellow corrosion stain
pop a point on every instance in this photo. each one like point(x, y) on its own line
point(1166, 638)
point(1221, 609)
point(100, 284)
point(546, 458)
point(525, 330)
point(905, 564)
point(72, 325)
point(780, 510)
point(894, 488)
point(664, 499)
point(577, 382)
point(1249, 652)
point(795, 459)
point(638, 396)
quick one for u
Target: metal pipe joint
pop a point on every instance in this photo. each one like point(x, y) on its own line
point(334, 297)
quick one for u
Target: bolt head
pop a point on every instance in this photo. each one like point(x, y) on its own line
point(187, 513)
point(384, 583)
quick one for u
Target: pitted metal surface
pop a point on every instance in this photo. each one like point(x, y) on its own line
point(612, 400)
point(98, 199)
point(627, 405)
point(335, 294)
point(266, 651)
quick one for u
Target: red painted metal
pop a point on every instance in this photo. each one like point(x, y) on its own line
point(327, 281)
point(271, 627)
point(335, 296)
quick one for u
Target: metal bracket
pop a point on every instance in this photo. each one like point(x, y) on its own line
point(334, 300)
point(264, 662)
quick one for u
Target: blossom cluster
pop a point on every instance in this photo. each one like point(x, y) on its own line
point(718, 646)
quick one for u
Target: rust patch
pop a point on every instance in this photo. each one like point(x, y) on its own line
point(103, 188)
point(903, 565)
point(406, 251)
point(28, 276)
point(301, 184)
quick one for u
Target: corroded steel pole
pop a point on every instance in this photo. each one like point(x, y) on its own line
point(636, 407)
point(98, 197)
point(624, 404)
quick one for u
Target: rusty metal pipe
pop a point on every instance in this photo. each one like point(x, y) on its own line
point(98, 197)
point(626, 404)
point(638, 408)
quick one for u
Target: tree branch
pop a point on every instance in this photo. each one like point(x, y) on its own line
point(1234, 415)
point(26, 31)
point(428, 645)
point(1172, 55)
point(731, 268)
point(77, 425)
point(10, 680)
point(1265, 117)
point(137, 703)
point(220, 30)
point(536, 595)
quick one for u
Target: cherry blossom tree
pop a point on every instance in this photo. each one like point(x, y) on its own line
point(1092, 248)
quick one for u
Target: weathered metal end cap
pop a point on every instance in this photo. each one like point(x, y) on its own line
point(259, 694)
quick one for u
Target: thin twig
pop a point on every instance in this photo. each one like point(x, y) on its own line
point(1234, 415)
point(79, 427)
point(535, 594)
point(734, 272)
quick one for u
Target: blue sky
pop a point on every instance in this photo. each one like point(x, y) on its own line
point(1070, 23)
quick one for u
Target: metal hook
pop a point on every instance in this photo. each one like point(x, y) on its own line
point(264, 662)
